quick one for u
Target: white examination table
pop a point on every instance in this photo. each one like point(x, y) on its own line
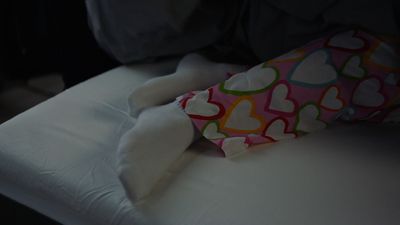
point(59, 159)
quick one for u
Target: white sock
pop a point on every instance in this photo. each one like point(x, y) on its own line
point(160, 135)
point(194, 72)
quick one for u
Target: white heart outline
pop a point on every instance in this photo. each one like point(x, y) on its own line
point(239, 118)
point(307, 75)
point(211, 131)
point(354, 63)
point(312, 123)
point(279, 100)
point(199, 105)
point(330, 97)
point(277, 130)
point(264, 77)
point(234, 146)
point(366, 90)
point(346, 41)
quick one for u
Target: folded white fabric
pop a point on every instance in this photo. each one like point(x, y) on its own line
point(163, 132)
point(151, 146)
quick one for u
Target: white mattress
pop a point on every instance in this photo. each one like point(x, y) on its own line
point(58, 158)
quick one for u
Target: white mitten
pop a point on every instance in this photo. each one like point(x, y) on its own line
point(160, 135)
point(194, 72)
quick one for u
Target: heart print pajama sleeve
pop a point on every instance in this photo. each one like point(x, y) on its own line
point(351, 76)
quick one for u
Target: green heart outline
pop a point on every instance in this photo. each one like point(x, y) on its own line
point(360, 65)
point(298, 116)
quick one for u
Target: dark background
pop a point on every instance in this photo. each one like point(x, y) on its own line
point(43, 36)
point(39, 37)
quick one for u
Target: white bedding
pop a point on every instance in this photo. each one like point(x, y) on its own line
point(58, 158)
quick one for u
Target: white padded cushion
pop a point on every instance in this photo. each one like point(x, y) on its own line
point(58, 158)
